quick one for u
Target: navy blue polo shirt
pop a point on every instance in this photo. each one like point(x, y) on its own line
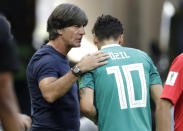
point(64, 113)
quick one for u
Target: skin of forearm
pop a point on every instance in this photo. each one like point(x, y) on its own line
point(8, 104)
point(57, 87)
point(164, 116)
point(92, 115)
point(87, 104)
point(157, 118)
point(10, 121)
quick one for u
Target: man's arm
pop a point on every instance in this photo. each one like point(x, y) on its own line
point(8, 104)
point(156, 91)
point(10, 117)
point(165, 123)
point(25, 122)
point(87, 103)
point(53, 88)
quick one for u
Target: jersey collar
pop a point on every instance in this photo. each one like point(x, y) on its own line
point(110, 45)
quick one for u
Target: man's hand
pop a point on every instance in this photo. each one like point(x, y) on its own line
point(25, 122)
point(90, 62)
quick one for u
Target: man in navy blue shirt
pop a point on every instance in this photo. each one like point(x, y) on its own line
point(52, 84)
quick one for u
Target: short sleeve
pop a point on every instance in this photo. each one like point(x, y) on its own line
point(86, 81)
point(45, 67)
point(173, 87)
point(154, 74)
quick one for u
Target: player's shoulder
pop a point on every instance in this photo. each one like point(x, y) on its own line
point(134, 50)
point(178, 60)
point(137, 53)
point(179, 57)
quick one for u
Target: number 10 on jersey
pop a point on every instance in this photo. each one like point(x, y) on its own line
point(129, 84)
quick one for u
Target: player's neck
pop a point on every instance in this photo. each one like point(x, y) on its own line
point(107, 42)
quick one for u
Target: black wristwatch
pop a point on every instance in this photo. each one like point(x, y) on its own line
point(76, 71)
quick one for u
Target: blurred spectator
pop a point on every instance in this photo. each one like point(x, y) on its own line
point(10, 117)
point(21, 14)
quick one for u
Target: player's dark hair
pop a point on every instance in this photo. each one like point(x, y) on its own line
point(107, 27)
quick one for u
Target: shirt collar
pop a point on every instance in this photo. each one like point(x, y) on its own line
point(110, 45)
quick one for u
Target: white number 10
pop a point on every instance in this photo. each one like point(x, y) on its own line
point(130, 87)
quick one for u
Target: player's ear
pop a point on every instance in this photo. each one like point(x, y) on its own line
point(121, 40)
point(95, 40)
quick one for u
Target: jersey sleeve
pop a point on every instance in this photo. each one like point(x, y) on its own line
point(86, 81)
point(173, 87)
point(154, 74)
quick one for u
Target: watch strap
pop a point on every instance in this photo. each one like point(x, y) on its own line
point(78, 73)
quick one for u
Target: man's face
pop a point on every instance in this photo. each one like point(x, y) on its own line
point(72, 35)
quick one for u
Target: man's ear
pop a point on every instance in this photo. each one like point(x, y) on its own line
point(121, 40)
point(60, 31)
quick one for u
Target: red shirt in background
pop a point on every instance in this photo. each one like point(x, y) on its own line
point(173, 90)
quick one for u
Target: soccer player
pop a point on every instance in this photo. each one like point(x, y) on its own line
point(173, 96)
point(116, 96)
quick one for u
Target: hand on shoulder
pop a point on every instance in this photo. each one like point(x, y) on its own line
point(92, 61)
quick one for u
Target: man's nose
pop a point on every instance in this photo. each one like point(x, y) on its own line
point(82, 30)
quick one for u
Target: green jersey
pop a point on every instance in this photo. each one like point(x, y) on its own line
point(122, 89)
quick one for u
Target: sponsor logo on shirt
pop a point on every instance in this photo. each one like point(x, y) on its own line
point(172, 76)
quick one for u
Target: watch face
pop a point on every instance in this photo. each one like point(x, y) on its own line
point(76, 69)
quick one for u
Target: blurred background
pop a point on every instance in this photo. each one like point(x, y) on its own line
point(154, 26)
